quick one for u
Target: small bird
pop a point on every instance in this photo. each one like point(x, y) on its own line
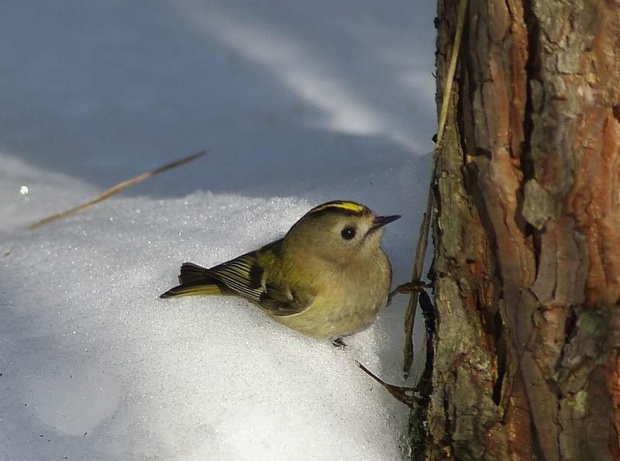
point(328, 277)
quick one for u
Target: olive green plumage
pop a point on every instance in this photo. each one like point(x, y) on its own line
point(328, 277)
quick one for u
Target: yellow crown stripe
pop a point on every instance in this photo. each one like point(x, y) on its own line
point(348, 206)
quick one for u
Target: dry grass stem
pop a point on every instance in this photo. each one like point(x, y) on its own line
point(425, 226)
point(118, 188)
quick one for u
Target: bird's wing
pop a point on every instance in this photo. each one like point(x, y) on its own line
point(246, 276)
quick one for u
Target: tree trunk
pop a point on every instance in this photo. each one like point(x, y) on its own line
point(527, 234)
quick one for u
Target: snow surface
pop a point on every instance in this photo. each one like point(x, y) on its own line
point(296, 103)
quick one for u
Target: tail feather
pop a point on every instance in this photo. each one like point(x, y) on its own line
point(195, 280)
point(191, 289)
point(191, 273)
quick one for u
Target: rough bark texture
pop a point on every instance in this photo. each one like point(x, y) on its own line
point(527, 267)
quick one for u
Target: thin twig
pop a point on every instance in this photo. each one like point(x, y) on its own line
point(398, 392)
point(118, 188)
point(443, 115)
point(425, 226)
point(415, 277)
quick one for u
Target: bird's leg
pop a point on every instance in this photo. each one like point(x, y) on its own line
point(339, 342)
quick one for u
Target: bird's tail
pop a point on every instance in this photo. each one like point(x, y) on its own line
point(195, 280)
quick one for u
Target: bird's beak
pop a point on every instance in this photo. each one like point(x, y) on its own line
point(381, 221)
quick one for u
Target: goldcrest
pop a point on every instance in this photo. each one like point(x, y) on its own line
point(327, 278)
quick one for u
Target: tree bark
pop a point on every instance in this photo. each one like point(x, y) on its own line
point(527, 234)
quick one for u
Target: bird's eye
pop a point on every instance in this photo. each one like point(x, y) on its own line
point(348, 233)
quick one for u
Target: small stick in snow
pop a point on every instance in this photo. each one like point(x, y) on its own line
point(399, 393)
point(118, 188)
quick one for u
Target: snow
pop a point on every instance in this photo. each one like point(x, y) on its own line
point(296, 103)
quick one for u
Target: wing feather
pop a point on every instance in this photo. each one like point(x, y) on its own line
point(235, 275)
point(246, 276)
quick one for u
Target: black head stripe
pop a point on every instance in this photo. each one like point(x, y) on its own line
point(340, 206)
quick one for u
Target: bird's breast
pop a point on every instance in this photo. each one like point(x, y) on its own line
point(347, 300)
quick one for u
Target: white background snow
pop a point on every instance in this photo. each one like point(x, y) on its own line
point(296, 103)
